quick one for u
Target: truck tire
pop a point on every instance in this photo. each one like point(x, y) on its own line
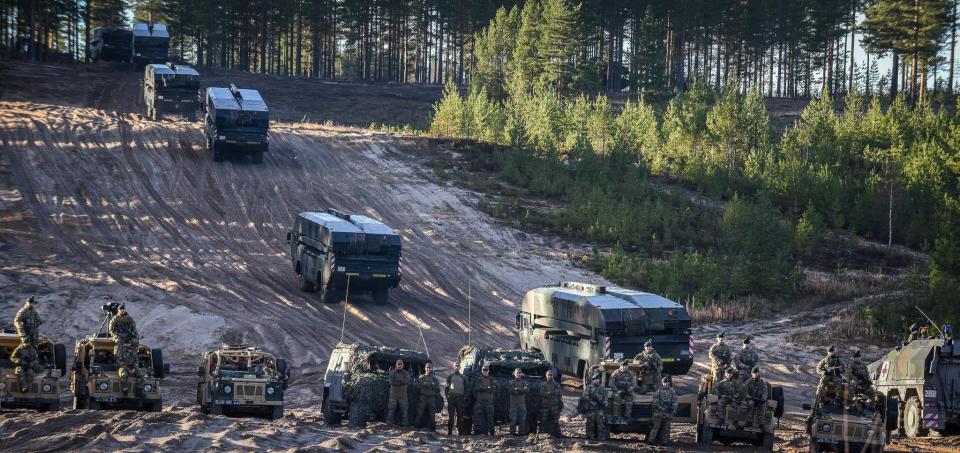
point(283, 372)
point(892, 415)
point(307, 285)
point(53, 407)
point(216, 409)
point(768, 441)
point(777, 395)
point(93, 405)
point(157, 356)
point(217, 152)
point(276, 413)
point(60, 358)
point(381, 296)
point(330, 417)
point(329, 294)
point(156, 406)
point(80, 402)
point(912, 418)
point(706, 435)
point(814, 446)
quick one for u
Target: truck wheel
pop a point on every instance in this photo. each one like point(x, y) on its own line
point(706, 435)
point(276, 413)
point(217, 152)
point(912, 417)
point(814, 446)
point(157, 356)
point(216, 409)
point(329, 295)
point(60, 358)
point(307, 285)
point(330, 417)
point(54, 407)
point(777, 395)
point(93, 405)
point(257, 157)
point(79, 402)
point(155, 406)
point(381, 296)
point(768, 440)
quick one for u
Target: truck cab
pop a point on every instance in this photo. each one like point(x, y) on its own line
point(171, 88)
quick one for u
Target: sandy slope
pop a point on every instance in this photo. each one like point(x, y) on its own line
point(95, 200)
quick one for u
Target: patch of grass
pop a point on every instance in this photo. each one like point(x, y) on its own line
point(732, 310)
point(852, 325)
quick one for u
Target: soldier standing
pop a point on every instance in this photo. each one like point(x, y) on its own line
point(650, 367)
point(551, 406)
point(664, 407)
point(27, 322)
point(757, 391)
point(429, 387)
point(623, 383)
point(518, 404)
point(719, 357)
point(861, 376)
point(483, 391)
point(592, 404)
point(399, 380)
point(746, 359)
point(730, 392)
point(126, 340)
point(456, 392)
point(831, 378)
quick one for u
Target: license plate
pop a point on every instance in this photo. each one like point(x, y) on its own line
point(8, 399)
point(231, 141)
point(227, 402)
point(379, 275)
point(253, 143)
point(668, 360)
point(353, 274)
point(106, 399)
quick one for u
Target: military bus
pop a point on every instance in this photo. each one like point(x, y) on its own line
point(236, 121)
point(151, 44)
point(329, 248)
point(577, 325)
point(171, 88)
point(111, 44)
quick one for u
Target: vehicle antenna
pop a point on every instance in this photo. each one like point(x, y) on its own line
point(424, 340)
point(469, 314)
point(346, 301)
point(931, 321)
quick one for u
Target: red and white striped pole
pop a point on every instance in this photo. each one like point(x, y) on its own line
point(691, 348)
point(607, 348)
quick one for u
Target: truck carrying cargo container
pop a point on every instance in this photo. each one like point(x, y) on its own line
point(111, 44)
point(151, 44)
point(171, 88)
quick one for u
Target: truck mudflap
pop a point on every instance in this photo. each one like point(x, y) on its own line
point(932, 415)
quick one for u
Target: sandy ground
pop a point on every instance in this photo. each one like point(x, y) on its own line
point(95, 200)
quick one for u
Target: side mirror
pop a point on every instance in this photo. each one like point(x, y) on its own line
point(806, 406)
point(289, 236)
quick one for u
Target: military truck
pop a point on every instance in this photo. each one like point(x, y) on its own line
point(502, 363)
point(854, 427)
point(151, 44)
point(171, 88)
point(328, 248)
point(44, 392)
point(576, 325)
point(641, 415)
point(738, 424)
point(95, 380)
point(236, 121)
point(356, 385)
point(111, 44)
point(238, 378)
point(924, 376)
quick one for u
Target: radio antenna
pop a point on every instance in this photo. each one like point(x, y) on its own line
point(469, 314)
point(346, 301)
point(931, 321)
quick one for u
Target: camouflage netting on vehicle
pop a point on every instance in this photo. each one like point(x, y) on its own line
point(502, 363)
point(367, 387)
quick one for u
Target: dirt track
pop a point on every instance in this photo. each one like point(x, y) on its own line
point(96, 200)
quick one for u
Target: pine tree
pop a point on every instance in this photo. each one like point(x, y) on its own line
point(558, 44)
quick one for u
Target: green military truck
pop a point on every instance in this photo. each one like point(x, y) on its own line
point(171, 88)
point(328, 249)
point(924, 376)
point(237, 378)
point(502, 363)
point(356, 385)
point(738, 424)
point(576, 325)
point(151, 44)
point(110, 44)
point(236, 122)
point(44, 392)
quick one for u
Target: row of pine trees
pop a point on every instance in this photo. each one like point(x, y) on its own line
point(793, 49)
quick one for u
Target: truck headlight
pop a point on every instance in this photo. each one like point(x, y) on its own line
point(147, 388)
point(870, 433)
point(227, 389)
point(826, 427)
point(221, 137)
point(47, 388)
point(271, 390)
point(103, 386)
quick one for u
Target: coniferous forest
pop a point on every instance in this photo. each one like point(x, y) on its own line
point(602, 104)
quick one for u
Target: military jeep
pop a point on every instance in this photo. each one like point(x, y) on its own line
point(641, 415)
point(862, 427)
point(238, 378)
point(356, 385)
point(95, 381)
point(44, 392)
point(502, 363)
point(738, 424)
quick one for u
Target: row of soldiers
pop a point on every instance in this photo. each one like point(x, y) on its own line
point(843, 384)
point(737, 378)
point(122, 328)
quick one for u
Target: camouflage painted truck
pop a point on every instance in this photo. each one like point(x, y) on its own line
point(924, 376)
point(356, 384)
point(111, 44)
point(238, 378)
point(236, 121)
point(171, 88)
point(502, 363)
point(151, 44)
point(738, 424)
point(641, 416)
point(851, 428)
point(328, 248)
point(577, 325)
point(44, 392)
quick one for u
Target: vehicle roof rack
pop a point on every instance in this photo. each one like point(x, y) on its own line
point(337, 213)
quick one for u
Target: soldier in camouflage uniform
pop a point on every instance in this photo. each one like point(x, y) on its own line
point(483, 390)
point(429, 387)
point(592, 404)
point(550, 407)
point(518, 404)
point(399, 380)
point(650, 367)
point(757, 392)
point(623, 383)
point(746, 359)
point(456, 392)
point(27, 322)
point(830, 389)
point(861, 376)
point(730, 392)
point(664, 407)
point(720, 356)
point(126, 339)
point(27, 360)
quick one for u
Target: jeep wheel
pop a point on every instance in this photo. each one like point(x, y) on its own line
point(216, 409)
point(381, 296)
point(54, 407)
point(329, 294)
point(276, 413)
point(79, 402)
point(307, 285)
point(768, 440)
point(217, 152)
point(912, 418)
point(330, 417)
point(814, 446)
point(155, 406)
point(93, 405)
point(157, 356)
point(706, 435)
